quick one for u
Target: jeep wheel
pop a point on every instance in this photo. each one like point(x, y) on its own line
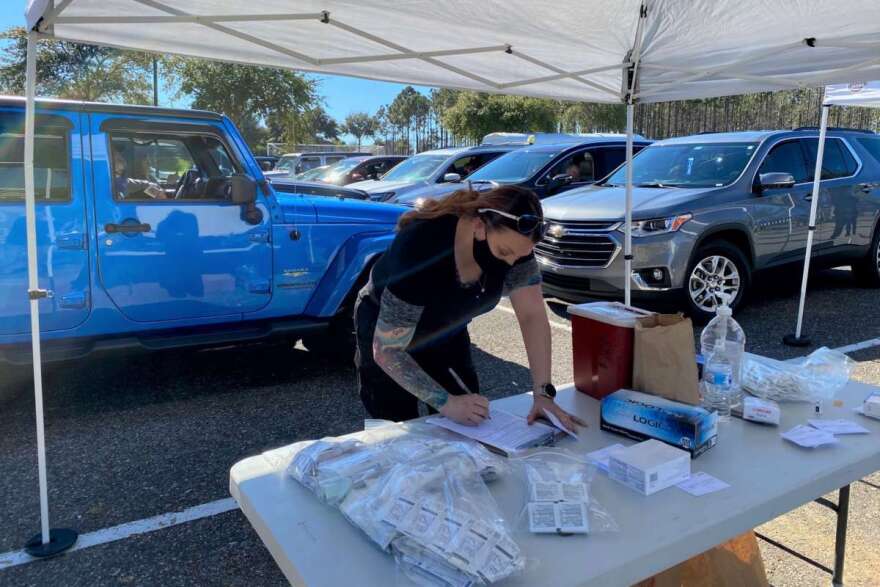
point(338, 341)
point(718, 267)
point(867, 271)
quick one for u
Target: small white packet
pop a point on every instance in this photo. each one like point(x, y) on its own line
point(764, 411)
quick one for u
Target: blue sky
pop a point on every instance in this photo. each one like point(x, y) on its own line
point(342, 95)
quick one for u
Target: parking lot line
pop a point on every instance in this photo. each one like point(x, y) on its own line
point(129, 529)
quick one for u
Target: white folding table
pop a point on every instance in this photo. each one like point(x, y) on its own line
point(314, 545)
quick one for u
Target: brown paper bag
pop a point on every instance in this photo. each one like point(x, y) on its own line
point(664, 358)
point(736, 563)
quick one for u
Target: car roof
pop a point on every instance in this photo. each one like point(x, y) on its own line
point(83, 106)
point(560, 147)
point(451, 151)
point(756, 136)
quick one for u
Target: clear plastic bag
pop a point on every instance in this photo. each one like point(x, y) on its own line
point(557, 495)
point(419, 494)
point(818, 376)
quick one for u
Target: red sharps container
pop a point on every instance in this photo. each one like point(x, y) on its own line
point(602, 341)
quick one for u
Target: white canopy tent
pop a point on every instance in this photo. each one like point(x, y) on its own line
point(620, 51)
point(852, 94)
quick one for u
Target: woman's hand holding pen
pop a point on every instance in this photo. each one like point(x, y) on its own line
point(469, 409)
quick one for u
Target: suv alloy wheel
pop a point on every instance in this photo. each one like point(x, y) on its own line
point(716, 267)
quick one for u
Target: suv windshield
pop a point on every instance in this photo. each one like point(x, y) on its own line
point(286, 163)
point(418, 168)
point(515, 166)
point(686, 165)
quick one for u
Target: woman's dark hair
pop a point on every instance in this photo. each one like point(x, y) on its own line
point(466, 203)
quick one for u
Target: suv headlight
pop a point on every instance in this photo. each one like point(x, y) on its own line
point(657, 225)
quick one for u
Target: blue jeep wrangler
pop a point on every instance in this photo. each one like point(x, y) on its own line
point(156, 228)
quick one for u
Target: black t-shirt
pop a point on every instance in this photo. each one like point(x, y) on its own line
point(419, 269)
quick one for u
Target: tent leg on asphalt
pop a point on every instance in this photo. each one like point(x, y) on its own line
point(798, 339)
point(49, 541)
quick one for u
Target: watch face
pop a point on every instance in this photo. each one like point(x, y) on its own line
point(550, 390)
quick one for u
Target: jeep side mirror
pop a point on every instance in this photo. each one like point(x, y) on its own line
point(775, 180)
point(451, 178)
point(242, 189)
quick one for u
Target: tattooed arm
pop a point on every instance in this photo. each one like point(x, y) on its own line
point(395, 329)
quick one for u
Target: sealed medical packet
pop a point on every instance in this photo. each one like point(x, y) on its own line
point(650, 466)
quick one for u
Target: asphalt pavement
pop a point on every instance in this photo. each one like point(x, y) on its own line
point(136, 435)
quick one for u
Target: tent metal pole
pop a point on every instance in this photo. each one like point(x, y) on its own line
point(627, 246)
point(798, 339)
point(34, 292)
point(47, 542)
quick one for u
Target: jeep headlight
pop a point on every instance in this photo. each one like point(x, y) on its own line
point(657, 225)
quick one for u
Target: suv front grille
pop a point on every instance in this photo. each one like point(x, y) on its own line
point(578, 244)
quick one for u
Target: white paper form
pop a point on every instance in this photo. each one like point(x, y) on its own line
point(501, 430)
point(601, 458)
point(809, 437)
point(556, 422)
point(837, 427)
point(702, 484)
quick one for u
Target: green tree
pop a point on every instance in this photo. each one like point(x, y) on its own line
point(360, 125)
point(76, 71)
point(244, 93)
point(309, 125)
point(475, 115)
point(584, 117)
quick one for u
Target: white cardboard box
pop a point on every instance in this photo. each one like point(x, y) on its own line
point(650, 466)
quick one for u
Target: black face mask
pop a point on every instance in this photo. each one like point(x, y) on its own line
point(488, 262)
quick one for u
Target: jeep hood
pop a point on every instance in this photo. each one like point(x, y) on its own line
point(330, 210)
point(609, 203)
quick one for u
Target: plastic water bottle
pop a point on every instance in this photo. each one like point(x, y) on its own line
point(717, 387)
point(723, 328)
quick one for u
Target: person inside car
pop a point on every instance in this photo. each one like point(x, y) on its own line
point(450, 262)
point(130, 188)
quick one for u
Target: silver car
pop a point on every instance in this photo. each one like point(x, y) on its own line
point(710, 211)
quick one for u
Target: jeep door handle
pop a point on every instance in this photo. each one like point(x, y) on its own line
point(867, 187)
point(127, 228)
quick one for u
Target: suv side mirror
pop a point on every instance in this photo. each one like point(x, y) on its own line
point(775, 180)
point(242, 189)
point(558, 181)
point(451, 178)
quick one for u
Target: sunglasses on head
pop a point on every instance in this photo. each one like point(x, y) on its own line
point(527, 224)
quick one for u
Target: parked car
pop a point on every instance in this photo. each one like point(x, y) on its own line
point(291, 164)
point(266, 162)
point(156, 228)
point(548, 169)
point(313, 174)
point(430, 168)
point(355, 169)
point(710, 211)
point(317, 188)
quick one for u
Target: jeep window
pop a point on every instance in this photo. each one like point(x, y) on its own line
point(417, 168)
point(160, 166)
point(286, 164)
point(51, 161)
point(837, 161)
point(872, 146)
point(515, 166)
point(690, 165)
point(579, 166)
point(786, 157)
point(331, 159)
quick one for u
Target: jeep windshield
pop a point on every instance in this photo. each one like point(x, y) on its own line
point(690, 165)
point(418, 168)
point(514, 167)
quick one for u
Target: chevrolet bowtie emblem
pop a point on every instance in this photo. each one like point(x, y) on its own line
point(556, 230)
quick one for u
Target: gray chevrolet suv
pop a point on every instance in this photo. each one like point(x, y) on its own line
point(711, 210)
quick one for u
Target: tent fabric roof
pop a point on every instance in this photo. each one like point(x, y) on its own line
point(854, 94)
point(567, 49)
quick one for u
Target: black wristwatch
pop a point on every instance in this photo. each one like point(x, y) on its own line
point(547, 390)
